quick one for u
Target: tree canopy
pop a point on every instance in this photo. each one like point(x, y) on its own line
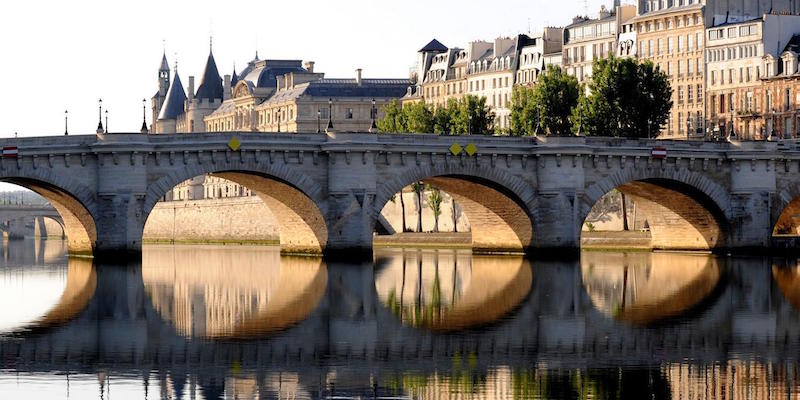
point(469, 114)
point(625, 99)
point(546, 107)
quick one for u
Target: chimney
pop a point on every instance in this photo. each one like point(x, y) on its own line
point(279, 85)
point(191, 89)
point(226, 89)
point(310, 66)
point(358, 77)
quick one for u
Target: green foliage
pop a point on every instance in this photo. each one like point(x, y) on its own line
point(470, 114)
point(546, 107)
point(626, 99)
point(419, 117)
point(394, 119)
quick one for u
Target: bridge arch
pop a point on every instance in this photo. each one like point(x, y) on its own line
point(785, 210)
point(74, 202)
point(685, 210)
point(296, 200)
point(498, 205)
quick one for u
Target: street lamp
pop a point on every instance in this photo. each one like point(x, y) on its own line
point(279, 120)
point(469, 126)
point(538, 120)
point(580, 119)
point(106, 121)
point(374, 113)
point(100, 116)
point(66, 131)
point(319, 115)
point(330, 115)
point(144, 118)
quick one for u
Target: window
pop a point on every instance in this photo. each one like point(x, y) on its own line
point(713, 77)
point(699, 93)
point(680, 94)
point(680, 44)
point(730, 76)
point(660, 46)
point(348, 113)
point(689, 67)
point(670, 44)
point(689, 98)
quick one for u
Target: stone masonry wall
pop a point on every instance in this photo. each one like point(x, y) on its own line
point(243, 219)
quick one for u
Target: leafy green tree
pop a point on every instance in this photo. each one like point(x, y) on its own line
point(625, 99)
point(435, 203)
point(419, 117)
point(394, 118)
point(473, 116)
point(547, 106)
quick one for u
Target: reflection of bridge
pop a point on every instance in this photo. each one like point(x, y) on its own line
point(328, 190)
point(558, 323)
point(26, 221)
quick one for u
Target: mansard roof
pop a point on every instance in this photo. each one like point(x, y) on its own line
point(344, 88)
point(211, 85)
point(265, 72)
point(176, 97)
point(793, 45)
point(433, 46)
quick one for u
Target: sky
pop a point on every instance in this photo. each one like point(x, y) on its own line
point(65, 55)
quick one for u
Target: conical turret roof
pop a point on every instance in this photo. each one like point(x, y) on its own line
point(234, 78)
point(211, 86)
point(164, 64)
point(176, 97)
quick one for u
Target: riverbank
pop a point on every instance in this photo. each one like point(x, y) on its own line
point(446, 240)
point(616, 241)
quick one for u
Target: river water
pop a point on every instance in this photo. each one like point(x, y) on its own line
point(212, 322)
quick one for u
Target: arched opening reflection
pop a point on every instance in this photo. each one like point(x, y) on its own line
point(237, 207)
point(491, 216)
point(42, 296)
point(786, 273)
point(26, 214)
point(229, 292)
point(645, 288)
point(450, 289)
point(654, 214)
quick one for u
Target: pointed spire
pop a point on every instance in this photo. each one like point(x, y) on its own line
point(176, 97)
point(211, 85)
point(234, 77)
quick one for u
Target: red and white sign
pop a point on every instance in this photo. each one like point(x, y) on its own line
point(10, 151)
point(659, 152)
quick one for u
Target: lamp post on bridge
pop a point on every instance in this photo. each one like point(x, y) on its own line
point(144, 116)
point(330, 115)
point(100, 116)
point(319, 115)
point(66, 114)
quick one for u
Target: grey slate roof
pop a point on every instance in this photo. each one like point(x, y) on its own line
point(176, 97)
point(343, 88)
point(265, 77)
point(433, 46)
point(164, 64)
point(211, 85)
point(234, 78)
point(793, 45)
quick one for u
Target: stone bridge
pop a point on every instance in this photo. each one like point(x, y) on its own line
point(21, 221)
point(327, 190)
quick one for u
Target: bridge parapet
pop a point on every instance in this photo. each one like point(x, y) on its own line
point(109, 183)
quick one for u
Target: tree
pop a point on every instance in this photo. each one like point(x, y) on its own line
point(473, 116)
point(394, 118)
point(419, 117)
point(418, 188)
point(548, 106)
point(626, 99)
point(402, 209)
point(435, 203)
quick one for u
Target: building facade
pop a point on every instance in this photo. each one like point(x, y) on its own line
point(587, 40)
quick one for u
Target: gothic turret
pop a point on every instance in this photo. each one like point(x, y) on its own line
point(211, 85)
point(163, 86)
point(173, 107)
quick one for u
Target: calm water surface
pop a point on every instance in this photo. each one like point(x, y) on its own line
point(212, 322)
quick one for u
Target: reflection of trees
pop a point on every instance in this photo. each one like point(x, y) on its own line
point(422, 313)
point(465, 381)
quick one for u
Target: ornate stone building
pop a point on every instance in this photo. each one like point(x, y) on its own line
point(780, 94)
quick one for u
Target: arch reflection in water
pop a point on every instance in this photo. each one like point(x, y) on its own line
point(644, 288)
point(450, 289)
point(231, 291)
point(787, 275)
point(46, 290)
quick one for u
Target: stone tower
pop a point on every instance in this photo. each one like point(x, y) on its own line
point(163, 87)
point(208, 98)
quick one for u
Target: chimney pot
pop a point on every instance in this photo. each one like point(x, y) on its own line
point(191, 88)
point(358, 77)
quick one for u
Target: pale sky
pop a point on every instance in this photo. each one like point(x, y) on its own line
point(59, 55)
